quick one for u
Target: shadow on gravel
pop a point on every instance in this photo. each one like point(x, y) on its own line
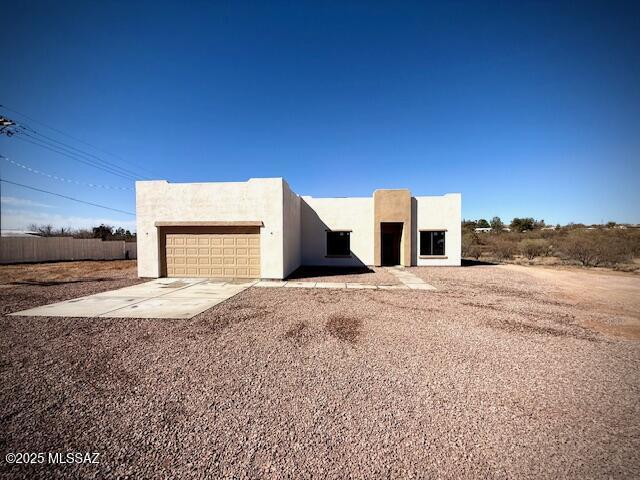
point(467, 262)
point(347, 329)
point(312, 272)
point(53, 283)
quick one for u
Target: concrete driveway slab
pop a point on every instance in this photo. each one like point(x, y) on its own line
point(161, 298)
point(331, 285)
point(300, 285)
point(270, 284)
point(90, 306)
point(420, 286)
point(153, 288)
point(361, 286)
point(203, 292)
point(163, 307)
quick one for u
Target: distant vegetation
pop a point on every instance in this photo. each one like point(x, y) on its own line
point(105, 232)
point(532, 241)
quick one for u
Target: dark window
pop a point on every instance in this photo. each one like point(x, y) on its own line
point(338, 243)
point(431, 243)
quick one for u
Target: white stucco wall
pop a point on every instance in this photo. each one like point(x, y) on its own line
point(258, 199)
point(292, 230)
point(320, 214)
point(440, 213)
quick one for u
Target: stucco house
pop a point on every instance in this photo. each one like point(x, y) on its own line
point(262, 229)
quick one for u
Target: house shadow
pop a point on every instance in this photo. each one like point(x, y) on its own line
point(468, 262)
point(313, 255)
point(308, 271)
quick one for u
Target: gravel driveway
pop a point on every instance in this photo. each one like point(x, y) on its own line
point(492, 376)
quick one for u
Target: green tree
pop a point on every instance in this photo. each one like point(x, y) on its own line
point(104, 232)
point(522, 224)
point(469, 224)
point(496, 224)
point(482, 223)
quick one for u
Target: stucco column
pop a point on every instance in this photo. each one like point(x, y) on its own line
point(392, 206)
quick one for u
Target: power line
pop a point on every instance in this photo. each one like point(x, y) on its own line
point(73, 150)
point(62, 179)
point(77, 139)
point(64, 196)
point(92, 162)
point(78, 159)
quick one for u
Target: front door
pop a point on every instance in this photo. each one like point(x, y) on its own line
point(391, 239)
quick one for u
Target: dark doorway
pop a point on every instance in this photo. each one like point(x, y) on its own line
point(391, 239)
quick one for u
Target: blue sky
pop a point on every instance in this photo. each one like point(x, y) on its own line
point(528, 109)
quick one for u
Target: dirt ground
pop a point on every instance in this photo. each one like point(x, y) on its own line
point(30, 285)
point(614, 297)
point(497, 374)
point(66, 271)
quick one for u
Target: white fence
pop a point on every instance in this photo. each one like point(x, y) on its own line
point(51, 249)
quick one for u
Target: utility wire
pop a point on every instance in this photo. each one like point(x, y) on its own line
point(77, 139)
point(78, 159)
point(64, 196)
point(62, 179)
point(65, 146)
point(92, 162)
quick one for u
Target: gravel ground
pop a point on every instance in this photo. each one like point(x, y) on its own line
point(369, 275)
point(491, 376)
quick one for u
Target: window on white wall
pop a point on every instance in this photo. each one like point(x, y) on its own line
point(432, 243)
point(338, 244)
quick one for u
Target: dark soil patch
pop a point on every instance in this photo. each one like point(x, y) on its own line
point(347, 329)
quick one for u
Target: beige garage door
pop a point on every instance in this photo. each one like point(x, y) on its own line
point(233, 255)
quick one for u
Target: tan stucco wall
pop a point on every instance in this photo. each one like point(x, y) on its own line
point(320, 214)
point(440, 213)
point(393, 206)
point(257, 199)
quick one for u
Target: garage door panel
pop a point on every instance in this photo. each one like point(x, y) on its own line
point(213, 255)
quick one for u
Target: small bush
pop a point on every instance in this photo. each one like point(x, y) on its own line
point(503, 249)
point(592, 249)
point(473, 251)
point(471, 245)
point(532, 248)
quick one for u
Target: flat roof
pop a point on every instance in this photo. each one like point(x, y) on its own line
point(215, 223)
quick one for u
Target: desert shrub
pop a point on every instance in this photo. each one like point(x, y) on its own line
point(503, 249)
point(471, 245)
point(594, 248)
point(532, 248)
point(473, 251)
point(497, 225)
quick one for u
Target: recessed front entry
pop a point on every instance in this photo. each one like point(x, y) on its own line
point(392, 207)
point(193, 253)
point(391, 241)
